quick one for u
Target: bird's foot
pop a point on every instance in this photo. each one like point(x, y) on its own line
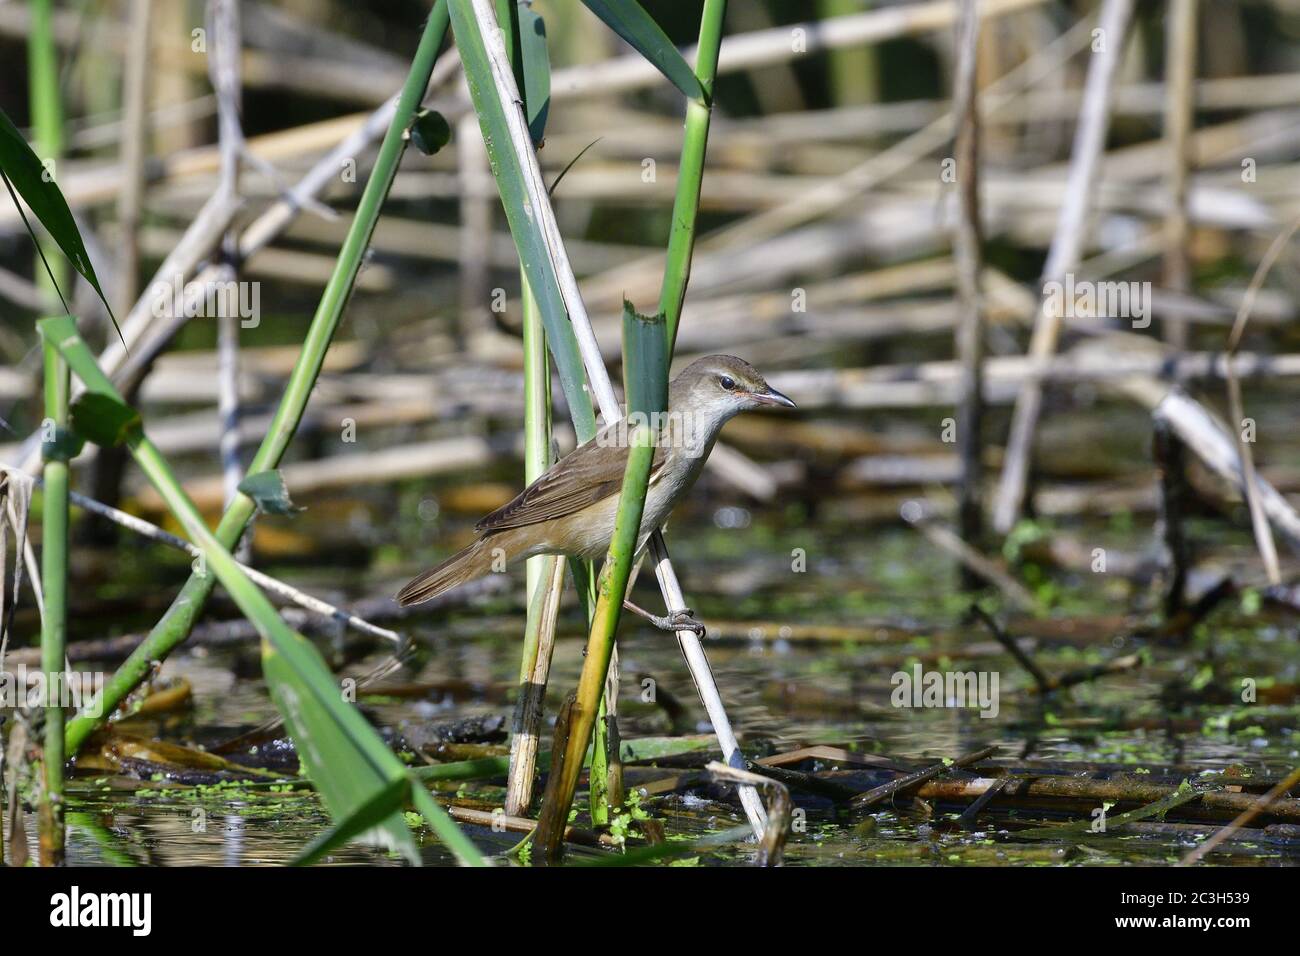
point(683, 620)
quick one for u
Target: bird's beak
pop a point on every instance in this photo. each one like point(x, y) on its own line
point(772, 397)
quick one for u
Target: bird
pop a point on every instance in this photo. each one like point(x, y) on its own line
point(570, 509)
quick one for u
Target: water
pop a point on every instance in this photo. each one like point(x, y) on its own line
point(886, 602)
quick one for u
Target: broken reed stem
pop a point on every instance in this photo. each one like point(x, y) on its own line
point(968, 257)
point(527, 725)
point(779, 807)
point(223, 23)
point(645, 371)
point(1180, 72)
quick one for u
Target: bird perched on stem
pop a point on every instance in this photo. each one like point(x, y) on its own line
point(570, 509)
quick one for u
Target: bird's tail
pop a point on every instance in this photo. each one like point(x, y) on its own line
point(473, 562)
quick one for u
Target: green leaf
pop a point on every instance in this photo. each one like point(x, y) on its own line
point(536, 70)
point(430, 131)
point(629, 20)
point(525, 228)
point(269, 493)
point(373, 813)
point(26, 174)
point(104, 420)
point(350, 766)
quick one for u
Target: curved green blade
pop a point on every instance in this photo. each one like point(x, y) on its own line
point(629, 20)
point(30, 179)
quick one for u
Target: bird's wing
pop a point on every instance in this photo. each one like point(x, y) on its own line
point(590, 473)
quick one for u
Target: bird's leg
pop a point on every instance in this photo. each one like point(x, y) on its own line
point(683, 620)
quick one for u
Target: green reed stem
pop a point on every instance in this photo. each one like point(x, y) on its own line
point(47, 123)
point(54, 615)
point(600, 642)
point(690, 176)
point(178, 621)
point(526, 725)
point(646, 386)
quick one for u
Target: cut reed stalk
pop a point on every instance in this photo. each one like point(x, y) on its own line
point(646, 384)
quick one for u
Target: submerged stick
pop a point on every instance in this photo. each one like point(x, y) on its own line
point(1050, 791)
point(908, 781)
point(1182, 795)
point(1243, 819)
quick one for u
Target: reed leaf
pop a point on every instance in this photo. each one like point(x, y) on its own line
point(690, 174)
point(495, 115)
point(535, 65)
point(29, 178)
point(629, 20)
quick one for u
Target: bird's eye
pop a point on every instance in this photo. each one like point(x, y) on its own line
point(727, 382)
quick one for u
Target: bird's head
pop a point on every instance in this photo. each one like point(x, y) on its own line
point(721, 386)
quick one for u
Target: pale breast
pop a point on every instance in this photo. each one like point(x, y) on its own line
point(588, 533)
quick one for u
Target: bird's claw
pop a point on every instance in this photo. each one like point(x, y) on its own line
point(683, 620)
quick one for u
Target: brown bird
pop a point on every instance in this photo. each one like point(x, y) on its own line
point(570, 509)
